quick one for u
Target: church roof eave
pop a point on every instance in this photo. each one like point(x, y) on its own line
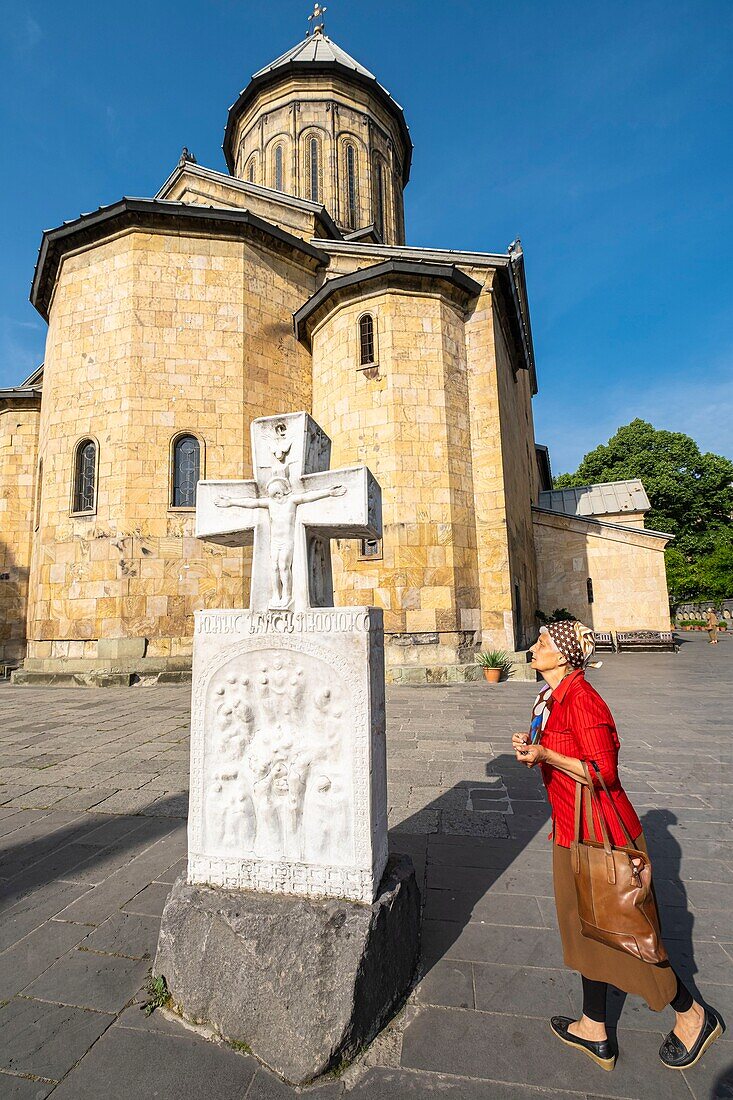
point(596, 523)
point(35, 378)
point(154, 213)
point(20, 397)
point(511, 281)
point(288, 66)
point(518, 286)
point(318, 210)
point(390, 271)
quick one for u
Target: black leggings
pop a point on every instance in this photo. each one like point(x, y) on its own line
point(594, 999)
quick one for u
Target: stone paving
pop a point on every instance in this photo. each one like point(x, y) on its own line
point(92, 818)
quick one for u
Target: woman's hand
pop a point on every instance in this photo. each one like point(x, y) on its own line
point(520, 741)
point(527, 754)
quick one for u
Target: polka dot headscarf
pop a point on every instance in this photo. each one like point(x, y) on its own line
point(575, 641)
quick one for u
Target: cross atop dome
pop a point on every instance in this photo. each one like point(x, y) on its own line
point(316, 26)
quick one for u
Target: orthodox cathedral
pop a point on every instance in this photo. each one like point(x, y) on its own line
point(280, 285)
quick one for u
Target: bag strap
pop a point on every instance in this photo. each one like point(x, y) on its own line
point(595, 805)
point(601, 780)
point(595, 802)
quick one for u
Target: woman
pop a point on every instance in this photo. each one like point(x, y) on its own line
point(571, 724)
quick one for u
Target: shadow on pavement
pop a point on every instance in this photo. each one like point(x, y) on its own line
point(87, 850)
point(461, 844)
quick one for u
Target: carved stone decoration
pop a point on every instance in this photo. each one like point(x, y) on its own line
point(288, 773)
point(292, 498)
point(288, 752)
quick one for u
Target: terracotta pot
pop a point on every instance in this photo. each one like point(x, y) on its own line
point(493, 675)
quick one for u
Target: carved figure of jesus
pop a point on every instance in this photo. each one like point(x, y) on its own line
point(282, 504)
point(280, 452)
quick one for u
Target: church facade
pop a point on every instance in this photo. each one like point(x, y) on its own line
point(287, 285)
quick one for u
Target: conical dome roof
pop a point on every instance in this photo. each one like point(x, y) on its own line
point(317, 54)
point(317, 47)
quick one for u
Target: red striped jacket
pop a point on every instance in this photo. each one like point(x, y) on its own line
point(581, 725)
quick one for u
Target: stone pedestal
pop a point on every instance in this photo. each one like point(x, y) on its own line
point(288, 760)
point(303, 982)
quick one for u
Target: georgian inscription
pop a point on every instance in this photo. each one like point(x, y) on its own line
point(328, 621)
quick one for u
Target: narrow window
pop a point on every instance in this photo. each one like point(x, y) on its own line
point(371, 548)
point(518, 628)
point(380, 199)
point(314, 169)
point(278, 168)
point(366, 340)
point(186, 468)
point(84, 472)
point(251, 170)
point(589, 586)
point(352, 213)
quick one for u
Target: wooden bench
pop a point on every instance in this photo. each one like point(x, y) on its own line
point(604, 640)
point(646, 639)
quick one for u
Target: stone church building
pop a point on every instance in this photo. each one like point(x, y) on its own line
point(286, 284)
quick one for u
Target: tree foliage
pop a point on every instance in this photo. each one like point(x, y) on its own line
point(691, 494)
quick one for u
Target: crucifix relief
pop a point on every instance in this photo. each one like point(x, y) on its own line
point(294, 505)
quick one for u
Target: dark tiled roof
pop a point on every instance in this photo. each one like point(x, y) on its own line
point(154, 213)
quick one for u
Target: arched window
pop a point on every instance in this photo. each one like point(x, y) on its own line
point(278, 168)
point(313, 168)
point(85, 472)
point(251, 169)
point(366, 340)
point(186, 471)
point(352, 201)
point(379, 215)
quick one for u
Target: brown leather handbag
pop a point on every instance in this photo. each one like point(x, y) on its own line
point(616, 902)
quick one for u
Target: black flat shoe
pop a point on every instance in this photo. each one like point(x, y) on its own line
point(675, 1055)
point(601, 1052)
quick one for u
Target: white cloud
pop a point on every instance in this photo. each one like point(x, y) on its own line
point(24, 31)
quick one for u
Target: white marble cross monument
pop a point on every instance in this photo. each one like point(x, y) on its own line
point(288, 774)
point(294, 506)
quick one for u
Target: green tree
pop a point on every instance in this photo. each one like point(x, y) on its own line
point(691, 494)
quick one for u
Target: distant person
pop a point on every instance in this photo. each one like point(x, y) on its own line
point(711, 620)
point(570, 724)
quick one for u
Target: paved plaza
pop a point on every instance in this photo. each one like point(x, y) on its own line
point(92, 817)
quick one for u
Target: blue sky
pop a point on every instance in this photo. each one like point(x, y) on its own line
point(598, 133)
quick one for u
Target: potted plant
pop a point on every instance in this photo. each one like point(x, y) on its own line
point(495, 663)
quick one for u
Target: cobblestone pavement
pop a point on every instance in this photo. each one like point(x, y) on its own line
point(92, 817)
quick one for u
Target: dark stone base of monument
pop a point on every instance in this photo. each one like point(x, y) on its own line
point(303, 982)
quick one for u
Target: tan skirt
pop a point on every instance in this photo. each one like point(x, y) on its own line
point(656, 984)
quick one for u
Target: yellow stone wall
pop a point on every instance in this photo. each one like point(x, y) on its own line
point(201, 187)
point(151, 335)
point(504, 475)
point(447, 429)
point(18, 463)
point(520, 478)
point(405, 418)
point(336, 112)
point(626, 567)
point(626, 519)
